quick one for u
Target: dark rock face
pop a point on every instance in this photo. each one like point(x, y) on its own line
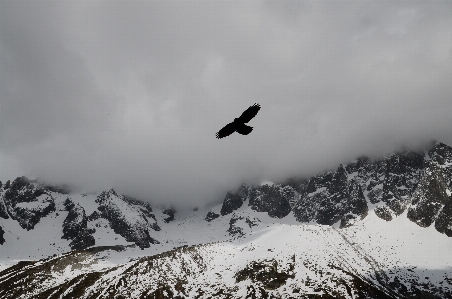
point(118, 210)
point(332, 197)
point(419, 182)
point(170, 212)
point(237, 223)
point(75, 227)
point(432, 199)
point(265, 273)
point(26, 202)
point(429, 198)
point(271, 199)
point(443, 222)
point(233, 229)
point(7, 184)
point(232, 202)
point(401, 177)
point(211, 216)
point(3, 209)
point(383, 212)
point(2, 239)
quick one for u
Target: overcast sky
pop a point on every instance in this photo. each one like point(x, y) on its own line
point(130, 95)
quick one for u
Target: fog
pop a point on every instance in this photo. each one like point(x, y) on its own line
point(129, 95)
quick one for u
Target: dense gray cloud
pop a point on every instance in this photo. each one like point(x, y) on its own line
point(130, 94)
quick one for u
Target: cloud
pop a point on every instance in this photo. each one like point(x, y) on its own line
point(129, 96)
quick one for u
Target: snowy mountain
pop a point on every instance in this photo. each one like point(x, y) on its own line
point(370, 229)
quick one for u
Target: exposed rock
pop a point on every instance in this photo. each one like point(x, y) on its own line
point(443, 223)
point(3, 209)
point(232, 202)
point(429, 197)
point(7, 184)
point(2, 239)
point(331, 197)
point(211, 216)
point(75, 227)
point(421, 182)
point(129, 218)
point(170, 212)
point(271, 199)
point(384, 213)
point(265, 274)
point(27, 202)
point(233, 229)
point(237, 224)
point(402, 174)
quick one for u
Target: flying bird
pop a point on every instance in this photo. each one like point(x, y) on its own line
point(239, 123)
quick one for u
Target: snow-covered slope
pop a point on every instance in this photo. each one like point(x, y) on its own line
point(370, 229)
point(283, 259)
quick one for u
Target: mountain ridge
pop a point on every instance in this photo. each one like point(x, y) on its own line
point(346, 194)
point(320, 237)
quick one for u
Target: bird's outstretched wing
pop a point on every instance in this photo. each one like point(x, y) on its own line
point(227, 130)
point(249, 113)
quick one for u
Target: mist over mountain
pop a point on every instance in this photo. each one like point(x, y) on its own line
point(371, 228)
point(113, 184)
point(130, 95)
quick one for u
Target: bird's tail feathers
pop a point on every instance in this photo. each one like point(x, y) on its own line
point(244, 129)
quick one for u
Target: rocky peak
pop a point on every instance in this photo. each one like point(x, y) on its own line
point(75, 226)
point(26, 201)
point(418, 181)
point(271, 199)
point(130, 218)
point(234, 200)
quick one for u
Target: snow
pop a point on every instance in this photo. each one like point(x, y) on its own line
point(105, 235)
point(414, 245)
point(398, 246)
point(395, 244)
point(21, 244)
point(86, 201)
point(35, 205)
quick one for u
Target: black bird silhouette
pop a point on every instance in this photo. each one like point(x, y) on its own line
point(239, 123)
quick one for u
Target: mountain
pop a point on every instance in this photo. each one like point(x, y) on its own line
point(420, 183)
point(369, 229)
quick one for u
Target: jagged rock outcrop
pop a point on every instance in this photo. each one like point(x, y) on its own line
point(273, 200)
point(418, 181)
point(432, 199)
point(75, 227)
point(330, 198)
point(3, 209)
point(2, 239)
point(26, 201)
point(429, 197)
point(235, 200)
point(129, 218)
point(238, 224)
point(170, 212)
point(211, 216)
point(443, 222)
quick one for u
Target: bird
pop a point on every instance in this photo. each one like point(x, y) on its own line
point(238, 125)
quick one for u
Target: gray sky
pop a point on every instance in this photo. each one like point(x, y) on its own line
point(130, 94)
